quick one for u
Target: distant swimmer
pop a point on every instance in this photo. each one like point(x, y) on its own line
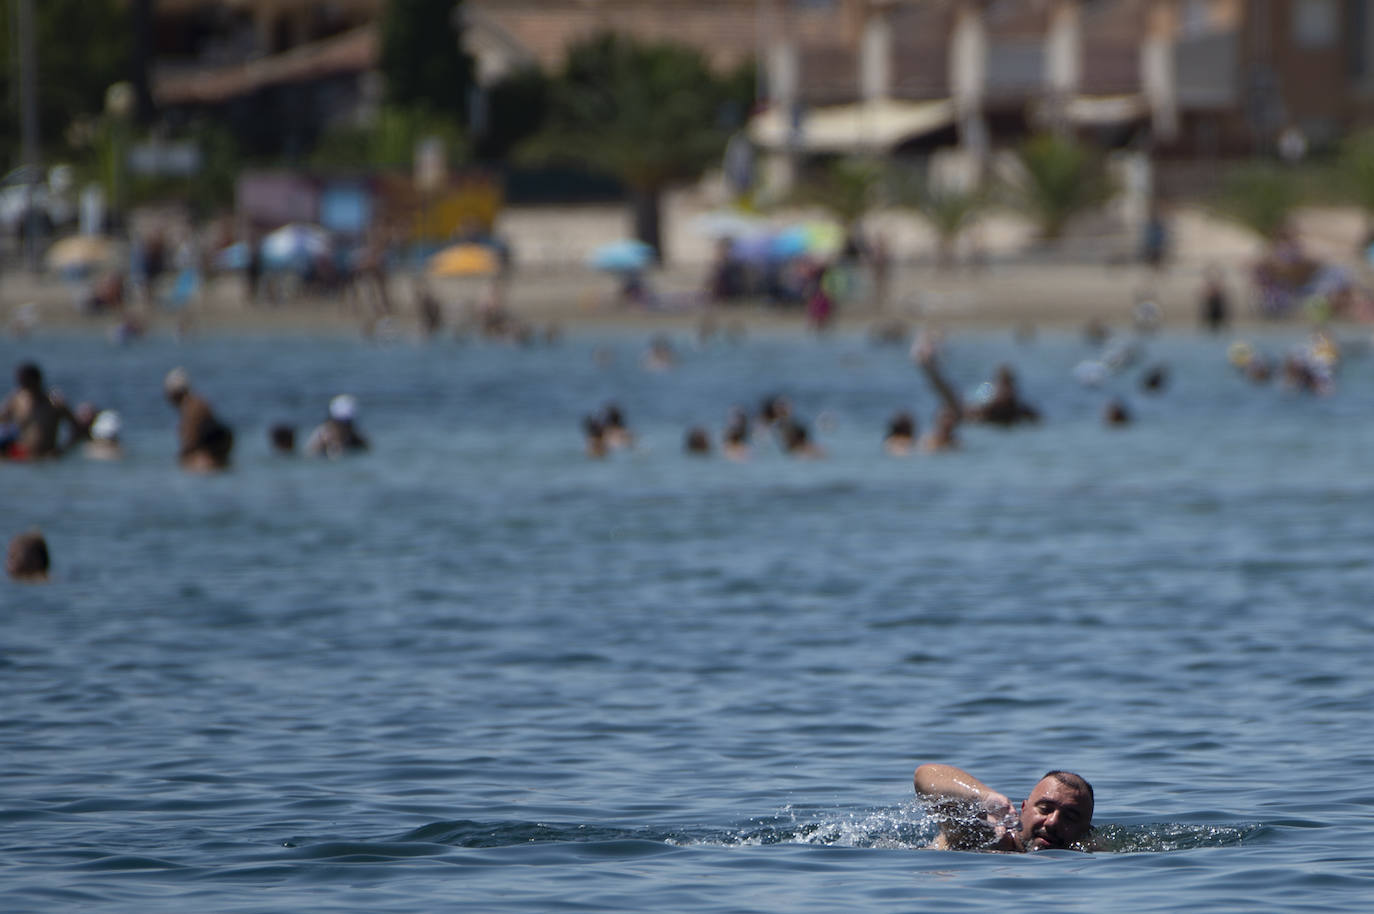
point(697, 442)
point(282, 439)
point(338, 434)
point(614, 429)
point(1116, 413)
point(774, 409)
point(104, 437)
point(1058, 813)
point(735, 440)
point(27, 559)
point(203, 441)
point(31, 418)
point(1001, 406)
point(900, 439)
point(943, 435)
point(594, 437)
point(796, 440)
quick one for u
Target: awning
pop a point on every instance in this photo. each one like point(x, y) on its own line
point(878, 124)
point(1107, 109)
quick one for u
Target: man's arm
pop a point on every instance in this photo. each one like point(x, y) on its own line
point(925, 354)
point(945, 782)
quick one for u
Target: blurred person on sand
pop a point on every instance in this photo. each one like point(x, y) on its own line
point(30, 418)
point(1058, 813)
point(203, 441)
point(337, 435)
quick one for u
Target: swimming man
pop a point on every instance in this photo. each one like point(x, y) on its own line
point(1057, 814)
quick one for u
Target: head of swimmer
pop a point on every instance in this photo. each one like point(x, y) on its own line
point(1058, 812)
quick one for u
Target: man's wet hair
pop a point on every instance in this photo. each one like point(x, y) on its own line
point(1075, 781)
point(28, 375)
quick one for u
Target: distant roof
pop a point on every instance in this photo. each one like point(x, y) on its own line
point(355, 51)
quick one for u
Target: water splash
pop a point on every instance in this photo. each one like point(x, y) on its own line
point(907, 827)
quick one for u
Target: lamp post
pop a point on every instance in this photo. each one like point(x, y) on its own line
point(28, 100)
point(119, 105)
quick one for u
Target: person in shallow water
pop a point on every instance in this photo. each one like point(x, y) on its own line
point(31, 418)
point(203, 442)
point(1058, 813)
point(1003, 404)
point(338, 434)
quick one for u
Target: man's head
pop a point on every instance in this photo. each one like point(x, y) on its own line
point(176, 385)
point(28, 557)
point(1058, 812)
point(29, 376)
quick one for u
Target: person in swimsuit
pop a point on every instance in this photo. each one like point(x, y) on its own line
point(31, 418)
point(203, 442)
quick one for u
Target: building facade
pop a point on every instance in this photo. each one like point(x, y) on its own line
point(1185, 77)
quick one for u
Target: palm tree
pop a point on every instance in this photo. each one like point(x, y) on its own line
point(1260, 197)
point(1058, 179)
point(649, 114)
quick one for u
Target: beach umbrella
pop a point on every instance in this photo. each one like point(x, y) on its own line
point(623, 256)
point(232, 257)
point(756, 249)
point(79, 254)
point(465, 260)
point(816, 239)
point(294, 245)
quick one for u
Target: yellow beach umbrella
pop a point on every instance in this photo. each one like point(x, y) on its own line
point(80, 252)
point(465, 260)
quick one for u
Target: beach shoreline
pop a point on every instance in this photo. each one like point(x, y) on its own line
point(996, 295)
point(1002, 279)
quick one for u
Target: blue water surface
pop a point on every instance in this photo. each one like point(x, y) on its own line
point(475, 670)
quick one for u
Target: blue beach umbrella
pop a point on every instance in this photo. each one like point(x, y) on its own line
point(295, 245)
point(753, 248)
point(820, 239)
point(232, 257)
point(624, 256)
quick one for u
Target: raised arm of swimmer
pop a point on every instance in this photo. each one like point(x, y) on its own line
point(945, 782)
point(926, 358)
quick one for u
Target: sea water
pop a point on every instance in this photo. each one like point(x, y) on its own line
point(475, 670)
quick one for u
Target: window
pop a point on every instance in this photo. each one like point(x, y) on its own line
point(1316, 23)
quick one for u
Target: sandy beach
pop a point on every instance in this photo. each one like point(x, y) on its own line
point(1002, 278)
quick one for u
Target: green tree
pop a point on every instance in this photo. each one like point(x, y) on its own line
point(648, 114)
point(1058, 179)
point(1260, 197)
point(82, 48)
point(515, 110)
point(423, 59)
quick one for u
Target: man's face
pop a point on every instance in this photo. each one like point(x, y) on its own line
point(1055, 815)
